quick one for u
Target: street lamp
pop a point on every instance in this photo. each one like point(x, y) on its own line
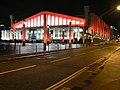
point(2, 25)
point(108, 12)
point(111, 10)
point(118, 7)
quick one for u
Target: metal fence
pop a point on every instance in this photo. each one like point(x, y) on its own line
point(13, 49)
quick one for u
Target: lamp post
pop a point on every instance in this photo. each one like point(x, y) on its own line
point(45, 36)
point(110, 11)
point(70, 31)
point(12, 33)
point(86, 10)
point(24, 33)
point(48, 34)
point(92, 39)
point(15, 36)
point(63, 35)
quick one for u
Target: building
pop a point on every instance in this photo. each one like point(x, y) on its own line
point(98, 28)
point(53, 27)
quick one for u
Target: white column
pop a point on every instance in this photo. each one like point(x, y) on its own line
point(27, 32)
point(5, 34)
point(9, 35)
point(20, 34)
point(2, 35)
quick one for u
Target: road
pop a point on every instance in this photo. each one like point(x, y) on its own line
point(40, 73)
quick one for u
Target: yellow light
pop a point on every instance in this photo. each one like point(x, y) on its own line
point(118, 7)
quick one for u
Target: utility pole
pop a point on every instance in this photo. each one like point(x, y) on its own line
point(85, 31)
point(11, 28)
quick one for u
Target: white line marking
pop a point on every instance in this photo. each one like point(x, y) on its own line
point(59, 59)
point(18, 69)
point(80, 54)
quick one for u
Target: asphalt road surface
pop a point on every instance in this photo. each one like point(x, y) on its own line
point(46, 72)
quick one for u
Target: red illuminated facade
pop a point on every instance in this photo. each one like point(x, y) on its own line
point(36, 26)
point(99, 28)
point(52, 19)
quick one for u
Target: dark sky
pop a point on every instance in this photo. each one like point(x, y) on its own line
point(22, 9)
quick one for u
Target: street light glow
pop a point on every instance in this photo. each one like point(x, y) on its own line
point(2, 25)
point(118, 7)
point(48, 26)
point(63, 29)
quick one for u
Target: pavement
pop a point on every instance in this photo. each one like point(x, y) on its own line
point(109, 77)
point(104, 75)
point(33, 50)
point(100, 77)
point(27, 55)
point(52, 49)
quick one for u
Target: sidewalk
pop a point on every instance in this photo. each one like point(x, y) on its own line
point(34, 54)
point(109, 77)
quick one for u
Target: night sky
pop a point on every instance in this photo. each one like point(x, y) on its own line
point(22, 9)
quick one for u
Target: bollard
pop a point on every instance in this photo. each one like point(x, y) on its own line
point(4, 48)
point(48, 47)
point(36, 48)
point(58, 46)
point(70, 45)
point(19, 49)
point(65, 46)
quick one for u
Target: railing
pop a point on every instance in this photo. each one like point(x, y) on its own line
point(13, 49)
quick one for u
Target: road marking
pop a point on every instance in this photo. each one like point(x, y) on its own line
point(18, 69)
point(89, 52)
point(59, 59)
point(80, 54)
point(67, 79)
point(70, 57)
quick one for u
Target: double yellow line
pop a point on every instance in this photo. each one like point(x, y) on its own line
point(67, 79)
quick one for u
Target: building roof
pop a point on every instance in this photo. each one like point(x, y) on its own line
point(52, 19)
